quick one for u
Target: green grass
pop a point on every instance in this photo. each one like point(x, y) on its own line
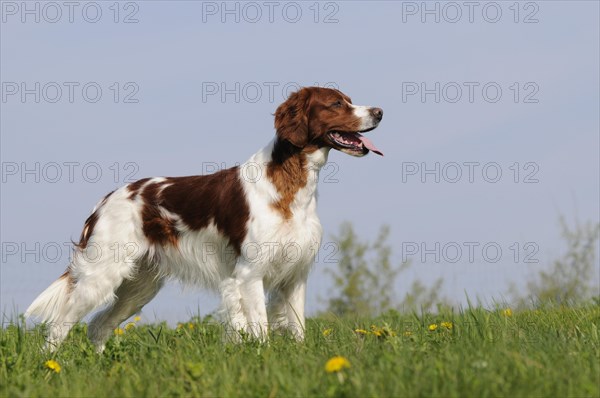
point(551, 352)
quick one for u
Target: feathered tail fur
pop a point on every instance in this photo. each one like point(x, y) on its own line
point(50, 304)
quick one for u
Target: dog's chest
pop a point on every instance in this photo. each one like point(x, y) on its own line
point(302, 230)
point(284, 242)
point(292, 249)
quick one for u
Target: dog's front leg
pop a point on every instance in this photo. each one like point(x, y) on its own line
point(286, 308)
point(296, 296)
point(252, 292)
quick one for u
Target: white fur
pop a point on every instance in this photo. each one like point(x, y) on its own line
point(366, 120)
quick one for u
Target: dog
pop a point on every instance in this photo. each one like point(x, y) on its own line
point(250, 232)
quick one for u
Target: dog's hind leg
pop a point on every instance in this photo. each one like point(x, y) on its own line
point(107, 254)
point(131, 296)
point(87, 285)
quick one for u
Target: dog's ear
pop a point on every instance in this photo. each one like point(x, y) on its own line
point(291, 119)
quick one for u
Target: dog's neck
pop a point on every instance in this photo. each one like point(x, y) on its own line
point(290, 174)
point(283, 152)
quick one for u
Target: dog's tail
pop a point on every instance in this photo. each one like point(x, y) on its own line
point(50, 304)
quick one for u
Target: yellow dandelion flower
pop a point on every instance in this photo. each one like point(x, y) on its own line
point(507, 312)
point(179, 326)
point(433, 327)
point(336, 364)
point(191, 326)
point(383, 331)
point(327, 332)
point(137, 318)
point(129, 326)
point(361, 331)
point(119, 332)
point(52, 365)
point(408, 333)
point(447, 325)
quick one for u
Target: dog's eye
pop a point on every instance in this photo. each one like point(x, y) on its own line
point(336, 104)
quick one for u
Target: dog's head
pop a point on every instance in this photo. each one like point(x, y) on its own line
point(324, 117)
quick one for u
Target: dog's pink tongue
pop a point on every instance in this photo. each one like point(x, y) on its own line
point(370, 146)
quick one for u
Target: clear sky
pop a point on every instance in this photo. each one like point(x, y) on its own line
point(490, 132)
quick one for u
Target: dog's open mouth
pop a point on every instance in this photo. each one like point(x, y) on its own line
point(353, 142)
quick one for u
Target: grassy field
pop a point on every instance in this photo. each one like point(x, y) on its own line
point(474, 353)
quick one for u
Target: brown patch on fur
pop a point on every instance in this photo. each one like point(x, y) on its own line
point(90, 223)
point(134, 187)
point(158, 228)
point(291, 119)
point(88, 229)
point(287, 171)
point(217, 198)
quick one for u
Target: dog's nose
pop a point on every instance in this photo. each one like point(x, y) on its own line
point(377, 113)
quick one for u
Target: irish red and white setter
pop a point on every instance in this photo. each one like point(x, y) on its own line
point(250, 232)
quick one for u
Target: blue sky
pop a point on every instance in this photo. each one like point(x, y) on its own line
point(155, 117)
